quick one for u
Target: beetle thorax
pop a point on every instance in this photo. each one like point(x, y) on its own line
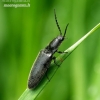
point(54, 44)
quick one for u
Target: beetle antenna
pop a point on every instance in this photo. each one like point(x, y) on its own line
point(57, 22)
point(66, 29)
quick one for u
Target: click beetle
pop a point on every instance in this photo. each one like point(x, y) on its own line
point(44, 58)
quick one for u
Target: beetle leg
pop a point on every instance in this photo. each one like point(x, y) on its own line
point(47, 76)
point(54, 58)
point(61, 52)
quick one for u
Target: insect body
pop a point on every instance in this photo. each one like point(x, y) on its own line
point(44, 58)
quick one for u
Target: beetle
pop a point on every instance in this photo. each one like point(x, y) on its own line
point(44, 58)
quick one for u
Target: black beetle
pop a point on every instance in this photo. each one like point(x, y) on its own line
point(44, 58)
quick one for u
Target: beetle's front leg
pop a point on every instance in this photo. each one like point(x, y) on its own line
point(61, 52)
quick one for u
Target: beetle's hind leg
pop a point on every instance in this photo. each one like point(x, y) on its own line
point(47, 76)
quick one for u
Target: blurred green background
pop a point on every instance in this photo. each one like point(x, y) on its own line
point(25, 31)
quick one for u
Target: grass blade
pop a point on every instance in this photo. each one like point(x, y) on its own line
point(32, 94)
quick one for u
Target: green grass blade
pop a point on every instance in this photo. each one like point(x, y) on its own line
point(32, 94)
